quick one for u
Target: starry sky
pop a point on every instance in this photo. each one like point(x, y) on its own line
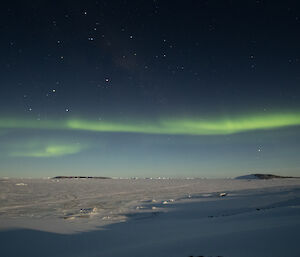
point(149, 88)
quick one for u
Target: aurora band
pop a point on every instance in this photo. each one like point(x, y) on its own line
point(177, 126)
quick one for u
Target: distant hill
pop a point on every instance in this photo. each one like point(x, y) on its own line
point(262, 176)
point(89, 177)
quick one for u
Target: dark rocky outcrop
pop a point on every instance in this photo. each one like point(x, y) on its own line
point(262, 176)
point(77, 177)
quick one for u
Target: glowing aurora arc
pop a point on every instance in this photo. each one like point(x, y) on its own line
point(51, 150)
point(221, 126)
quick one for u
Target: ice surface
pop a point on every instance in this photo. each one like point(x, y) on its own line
point(92, 203)
point(171, 217)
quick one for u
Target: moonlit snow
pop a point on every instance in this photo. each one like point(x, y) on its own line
point(149, 217)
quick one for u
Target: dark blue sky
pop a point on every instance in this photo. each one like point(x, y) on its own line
point(132, 62)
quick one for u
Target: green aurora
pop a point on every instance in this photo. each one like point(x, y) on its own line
point(39, 149)
point(198, 126)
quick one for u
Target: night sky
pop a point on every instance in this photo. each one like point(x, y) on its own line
point(149, 88)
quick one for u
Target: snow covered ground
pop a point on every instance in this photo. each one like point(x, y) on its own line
point(172, 217)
